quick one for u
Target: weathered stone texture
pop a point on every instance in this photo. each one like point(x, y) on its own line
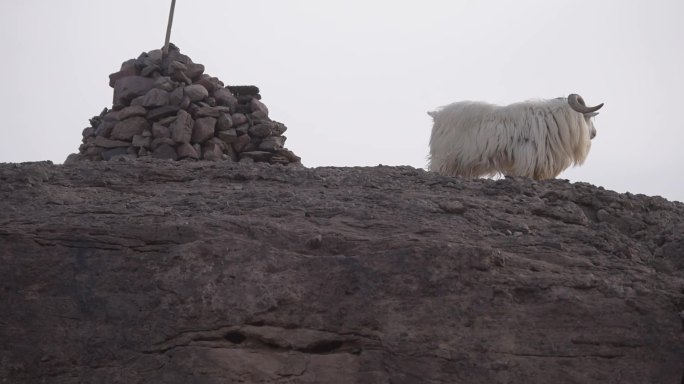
point(153, 271)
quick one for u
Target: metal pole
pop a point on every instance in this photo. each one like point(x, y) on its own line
point(168, 27)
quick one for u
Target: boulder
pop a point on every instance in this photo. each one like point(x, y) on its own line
point(128, 88)
point(126, 129)
point(155, 97)
point(187, 150)
point(203, 129)
point(165, 151)
point(181, 128)
point(196, 92)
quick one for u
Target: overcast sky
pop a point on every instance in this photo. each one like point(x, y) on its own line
point(353, 79)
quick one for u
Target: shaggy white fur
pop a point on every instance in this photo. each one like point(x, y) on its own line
point(537, 139)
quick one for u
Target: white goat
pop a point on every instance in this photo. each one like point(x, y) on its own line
point(537, 139)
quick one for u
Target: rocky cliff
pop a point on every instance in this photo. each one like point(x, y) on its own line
point(155, 271)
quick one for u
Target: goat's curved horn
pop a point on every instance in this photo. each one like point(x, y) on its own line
point(577, 103)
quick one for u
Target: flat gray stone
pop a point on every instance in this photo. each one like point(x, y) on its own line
point(104, 142)
point(110, 153)
point(257, 156)
point(225, 98)
point(208, 112)
point(257, 105)
point(161, 113)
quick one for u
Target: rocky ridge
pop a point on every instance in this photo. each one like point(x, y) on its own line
point(217, 272)
point(166, 107)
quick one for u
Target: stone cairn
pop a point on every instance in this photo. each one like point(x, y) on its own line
point(166, 107)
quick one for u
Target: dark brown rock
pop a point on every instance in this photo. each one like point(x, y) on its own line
point(228, 136)
point(187, 151)
point(138, 101)
point(272, 144)
point(239, 119)
point(203, 129)
point(181, 128)
point(88, 132)
point(124, 72)
point(210, 83)
point(194, 71)
point(242, 129)
point(244, 89)
point(289, 155)
point(196, 92)
point(208, 112)
point(126, 113)
point(160, 131)
point(162, 140)
point(241, 143)
point(103, 142)
point(141, 141)
point(176, 96)
point(128, 88)
point(126, 129)
point(260, 130)
point(162, 112)
point(259, 117)
point(277, 128)
point(225, 98)
point(257, 155)
point(165, 151)
point(105, 128)
point(258, 106)
point(155, 97)
point(212, 152)
point(150, 70)
point(164, 83)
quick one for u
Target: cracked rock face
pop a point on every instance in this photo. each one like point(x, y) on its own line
point(157, 92)
point(175, 272)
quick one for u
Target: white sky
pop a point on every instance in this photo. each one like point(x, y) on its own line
point(353, 79)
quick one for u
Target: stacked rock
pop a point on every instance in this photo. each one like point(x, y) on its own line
point(166, 107)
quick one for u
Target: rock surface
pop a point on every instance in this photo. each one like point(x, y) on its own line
point(154, 271)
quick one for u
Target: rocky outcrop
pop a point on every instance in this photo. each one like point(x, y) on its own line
point(198, 272)
point(166, 107)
